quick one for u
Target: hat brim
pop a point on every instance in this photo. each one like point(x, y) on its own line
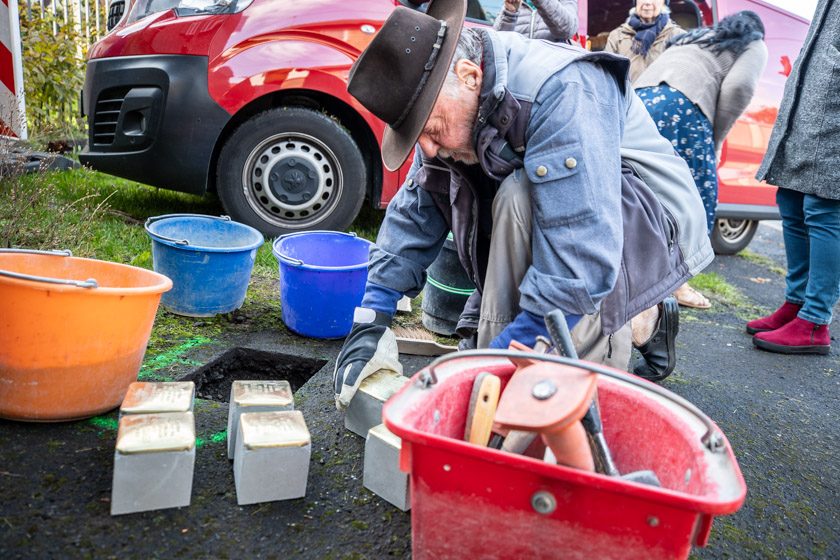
point(397, 143)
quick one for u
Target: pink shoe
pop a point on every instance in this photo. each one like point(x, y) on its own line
point(782, 316)
point(797, 337)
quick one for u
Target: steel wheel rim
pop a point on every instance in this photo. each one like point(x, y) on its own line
point(292, 180)
point(733, 231)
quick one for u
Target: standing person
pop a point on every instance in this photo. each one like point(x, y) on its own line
point(645, 35)
point(553, 20)
point(695, 91)
point(534, 155)
point(803, 158)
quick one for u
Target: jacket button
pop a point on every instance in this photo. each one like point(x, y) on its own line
point(571, 163)
point(541, 171)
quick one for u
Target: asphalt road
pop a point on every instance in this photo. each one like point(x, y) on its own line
point(780, 414)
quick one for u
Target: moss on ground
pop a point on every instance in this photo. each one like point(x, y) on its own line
point(761, 260)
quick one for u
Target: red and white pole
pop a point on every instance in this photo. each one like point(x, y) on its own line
point(12, 107)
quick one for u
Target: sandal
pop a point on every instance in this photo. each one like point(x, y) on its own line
point(689, 297)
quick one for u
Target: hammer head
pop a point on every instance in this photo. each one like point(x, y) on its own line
point(545, 397)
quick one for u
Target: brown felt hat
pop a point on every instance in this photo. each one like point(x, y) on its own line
point(399, 75)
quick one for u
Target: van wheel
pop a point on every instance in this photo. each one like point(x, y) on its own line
point(731, 235)
point(291, 169)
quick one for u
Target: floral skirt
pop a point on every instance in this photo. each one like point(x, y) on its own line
point(690, 132)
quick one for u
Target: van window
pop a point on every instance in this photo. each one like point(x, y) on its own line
point(606, 15)
point(484, 11)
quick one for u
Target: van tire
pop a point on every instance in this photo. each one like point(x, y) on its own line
point(731, 235)
point(291, 169)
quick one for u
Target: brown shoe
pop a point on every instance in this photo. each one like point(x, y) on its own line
point(689, 297)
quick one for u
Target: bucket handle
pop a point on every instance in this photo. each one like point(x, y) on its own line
point(89, 283)
point(152, 219)
point(56, 252)
point(713, 440)
point(297, 262)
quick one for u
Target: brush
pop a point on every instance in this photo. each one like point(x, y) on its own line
point(417, 341)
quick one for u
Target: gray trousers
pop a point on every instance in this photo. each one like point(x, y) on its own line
point(510, 258)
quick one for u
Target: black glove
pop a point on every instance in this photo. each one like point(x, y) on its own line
point(371, 346)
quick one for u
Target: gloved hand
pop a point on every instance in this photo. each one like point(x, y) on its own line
point(525, 328)
point(370, 347)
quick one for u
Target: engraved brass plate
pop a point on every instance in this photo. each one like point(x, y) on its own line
point(262, 393)
point(386, 435)
point(383, 384)
point(151, 433)
point(176, 396)
point(285, 428)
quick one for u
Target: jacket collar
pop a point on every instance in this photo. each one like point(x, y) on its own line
point(497, 112)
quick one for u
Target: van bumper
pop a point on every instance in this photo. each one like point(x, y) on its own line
point(151, 119)
point(747, 212)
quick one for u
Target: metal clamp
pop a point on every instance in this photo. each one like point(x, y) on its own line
point(712, 439)
point(89, 283)
point(152, 219)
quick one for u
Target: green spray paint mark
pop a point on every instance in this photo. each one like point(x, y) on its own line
point(149, 370)
point(104, 423)
point(218, 437)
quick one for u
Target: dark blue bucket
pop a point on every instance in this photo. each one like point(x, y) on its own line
point(208, 258)
point(322, 280)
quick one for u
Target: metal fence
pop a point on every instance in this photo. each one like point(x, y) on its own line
point(89, 17)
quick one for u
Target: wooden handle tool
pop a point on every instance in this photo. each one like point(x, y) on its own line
point(483, 403)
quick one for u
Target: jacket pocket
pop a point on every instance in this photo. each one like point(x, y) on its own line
point(561, 192)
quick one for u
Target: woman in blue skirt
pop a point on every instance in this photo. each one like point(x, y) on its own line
point(695, 91)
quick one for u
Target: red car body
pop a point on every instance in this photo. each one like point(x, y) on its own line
point(184, 84)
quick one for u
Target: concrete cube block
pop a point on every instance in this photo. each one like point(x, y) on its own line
point(158, 397)
point(255, 396)
point(404, 304)
point(271, 461)
point(153, 462)
point(365, 408)
point(382, 474)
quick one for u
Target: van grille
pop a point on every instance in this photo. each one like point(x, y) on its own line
point(106, 115)
point(115, 13)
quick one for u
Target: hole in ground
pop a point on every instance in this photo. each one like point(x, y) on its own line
point(213, 381)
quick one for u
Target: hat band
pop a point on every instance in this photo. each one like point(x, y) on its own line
point(427, 70)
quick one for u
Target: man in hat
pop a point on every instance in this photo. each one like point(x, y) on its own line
point(543, 163)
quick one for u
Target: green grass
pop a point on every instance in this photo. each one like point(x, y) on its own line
point(714, 286)
point(92, 214)
point(99, 216)
point(761, 260)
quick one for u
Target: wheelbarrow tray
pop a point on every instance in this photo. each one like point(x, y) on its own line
point(477, 502)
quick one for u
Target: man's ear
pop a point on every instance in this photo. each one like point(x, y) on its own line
point(468, 73)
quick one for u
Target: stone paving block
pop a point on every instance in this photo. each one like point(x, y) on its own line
point(365, 409)
point(158, 397)
point(271, 461)
point(153, 462)
point(255, 396)
point(382, 474)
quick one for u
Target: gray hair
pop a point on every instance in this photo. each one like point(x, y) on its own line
point(469, 47)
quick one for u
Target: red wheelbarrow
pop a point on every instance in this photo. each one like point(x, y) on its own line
point(469, 501)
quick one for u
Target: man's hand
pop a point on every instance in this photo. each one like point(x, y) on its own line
point(512, 6)
point(370, 347)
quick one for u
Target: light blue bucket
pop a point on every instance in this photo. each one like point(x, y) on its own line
point(208, 258)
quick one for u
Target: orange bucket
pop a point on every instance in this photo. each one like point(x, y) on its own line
point(73, 333)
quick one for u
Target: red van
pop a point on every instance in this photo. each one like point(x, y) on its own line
point(248, 98)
